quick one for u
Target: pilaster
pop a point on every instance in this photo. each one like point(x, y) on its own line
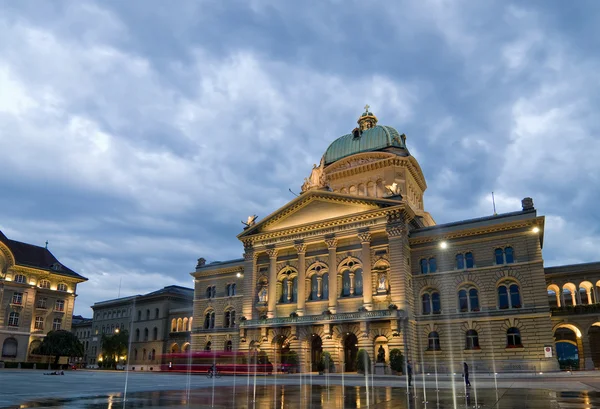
point(332, 264)
point(399, 271)
point(271, 302)
point(249, 280)
point(365, 241)
point(301, 249)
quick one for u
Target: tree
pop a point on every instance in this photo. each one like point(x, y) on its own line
point(114, 346)
point(60, 343)
point(363, 361)
point(396, 360)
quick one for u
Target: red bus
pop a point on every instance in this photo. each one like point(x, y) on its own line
point(227, 362)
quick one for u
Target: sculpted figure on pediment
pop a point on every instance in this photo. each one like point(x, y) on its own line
point(317, 178)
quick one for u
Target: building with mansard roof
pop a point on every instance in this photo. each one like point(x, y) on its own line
point(37, 295)
point(356, 262)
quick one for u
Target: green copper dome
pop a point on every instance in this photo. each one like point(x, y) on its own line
point(373, 139)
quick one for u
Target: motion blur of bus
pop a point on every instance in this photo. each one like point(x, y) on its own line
point(227, 363)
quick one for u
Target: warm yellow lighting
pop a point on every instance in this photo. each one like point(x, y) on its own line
point(8, 279)
point(443, 245)
point(535, 229)
point(117, 331)
point(32, 283)
point(238, 275)
point(100, 359)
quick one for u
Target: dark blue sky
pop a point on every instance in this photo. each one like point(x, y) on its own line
point(135, 136)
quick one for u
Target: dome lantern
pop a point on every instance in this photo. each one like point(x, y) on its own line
point(367, 120)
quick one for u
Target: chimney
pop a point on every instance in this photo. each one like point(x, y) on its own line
point(527, 204)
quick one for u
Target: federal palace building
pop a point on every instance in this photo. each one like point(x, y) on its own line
point(356, 262)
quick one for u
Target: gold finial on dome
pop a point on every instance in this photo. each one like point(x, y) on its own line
point(367, 120)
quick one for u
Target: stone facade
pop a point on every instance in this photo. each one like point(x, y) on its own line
point(83, 330)
point(149, 320)
point(37, 295)
point(355, 262)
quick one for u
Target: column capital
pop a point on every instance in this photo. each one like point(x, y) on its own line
point(300, 247)
point(364, 236)
point(272, 252)
point(331, 242)
point(250, 255)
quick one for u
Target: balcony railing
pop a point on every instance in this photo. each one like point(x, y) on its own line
point(307, 319)
point(576, 309)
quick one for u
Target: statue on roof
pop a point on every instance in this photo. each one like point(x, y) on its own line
point(317, 177)
point(251, 221)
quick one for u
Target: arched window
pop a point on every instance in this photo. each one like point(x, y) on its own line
point(285, 291)
point(346, 283)
point(213, 291)
point(433, 341)
point(137, 334)
point(504, 255)
point(472, 339)
point(228, 290)
point(208, 345)
point(179, 324)
point(155, 334)
point(9, 348)
point(209, 320)
point(469, 260)
point(173, 325)
point(358, 282)
point(513, 338)
point(184, 326)
point(233, 289)
point(145, 334)
point(228, 346)
point(468, 300)
point(153, 355)
point(325, 293)
point(432, 265)
point(431, 302)
point(226, 321)
point(426, 304)
point(294, 289)
point(147, 314)
point(424, 266)
point(135, 354)
point(13, 319)
point(460, 261)
point(229, 319)
point(156, 313)
point(61, 287)
point(144, 355)
point(509, 296)
point(139, 315)
point(208, 292)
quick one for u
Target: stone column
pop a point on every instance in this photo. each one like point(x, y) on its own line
point(585, 360)
point(399, 271)
point(578, 294)
point(301, 249)
point(272, 301)
point(332, 264)
point(351, 275)
point(595, 294)
point(589, 295)
point(249, 281)
point(365, 240)
point(562, 297)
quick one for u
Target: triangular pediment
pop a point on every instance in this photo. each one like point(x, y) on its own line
point(314, 207)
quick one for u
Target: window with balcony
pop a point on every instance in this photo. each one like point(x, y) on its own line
point(59, 305)
point(17, 299)
point(13, 319)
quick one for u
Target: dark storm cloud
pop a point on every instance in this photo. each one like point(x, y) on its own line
point(136, 135)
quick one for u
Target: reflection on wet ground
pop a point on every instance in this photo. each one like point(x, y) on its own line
point(324, 397)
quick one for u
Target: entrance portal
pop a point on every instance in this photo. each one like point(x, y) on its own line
point(350, 352)
point(316, 350)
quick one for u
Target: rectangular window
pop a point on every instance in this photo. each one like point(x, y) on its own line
point(17, 298)
point(56, 324)
point(41, 303)
point(39, 322)
point(13, 319)
point(59, 305)
point(20, 279)
point(61, 287)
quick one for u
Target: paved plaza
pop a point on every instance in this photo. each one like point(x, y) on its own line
point(104, 389)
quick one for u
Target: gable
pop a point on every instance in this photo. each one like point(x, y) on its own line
point(318, 210)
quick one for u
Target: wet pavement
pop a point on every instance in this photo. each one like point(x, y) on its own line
point(102, 389)
point(326, 397)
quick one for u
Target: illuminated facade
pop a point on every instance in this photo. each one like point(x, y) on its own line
point(356, 262)
point(37, 295)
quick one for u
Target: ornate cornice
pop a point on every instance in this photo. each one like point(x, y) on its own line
point(435, 237)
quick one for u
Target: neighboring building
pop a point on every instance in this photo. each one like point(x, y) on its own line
point(356, 262)
point(37, 295)
point(148, 318)
point(82, 328)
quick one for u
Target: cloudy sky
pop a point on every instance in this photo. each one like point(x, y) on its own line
point(134, 136)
